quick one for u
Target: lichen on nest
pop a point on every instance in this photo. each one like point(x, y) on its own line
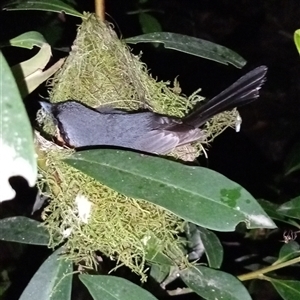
point(101, 70)
point(122, 228)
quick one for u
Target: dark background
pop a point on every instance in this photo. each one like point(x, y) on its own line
point(261, 32)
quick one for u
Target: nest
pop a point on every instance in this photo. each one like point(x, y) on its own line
point(124, 229)
point(101, 70)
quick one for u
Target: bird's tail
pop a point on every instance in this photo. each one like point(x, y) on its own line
point(244, 90)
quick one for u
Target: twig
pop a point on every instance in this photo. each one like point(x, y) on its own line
point(100, 9)
point(260, 273)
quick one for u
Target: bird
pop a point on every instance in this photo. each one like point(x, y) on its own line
point(147, 131)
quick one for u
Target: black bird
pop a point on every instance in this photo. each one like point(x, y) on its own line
point(82, 126)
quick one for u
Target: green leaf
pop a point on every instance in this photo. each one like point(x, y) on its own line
point(213, 247)
point(45, 5)
point(30, 74)
point(27, 40)
point(287, 289)
point(292, 162)
point(154, 252)
point(196, 194)
point(113, 288)
point(149, 23)
point(291, 208)
point(287, 252)
point(193, 46)
point(271, 209)
point(16, 141)
point(23, 230)
point(159, 258)
point(297, 39)
point(159, 272)
point(33, 65)
point(213, 284)
point(52, 281)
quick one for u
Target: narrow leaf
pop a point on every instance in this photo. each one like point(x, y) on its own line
point(291, 208)
point(37, 63)
point(196, 194)
point(23, 230)
point(213, 284)
point(271, 209)
point(114, 288)
point(30, 74)
point(287, 252)
point(292, 162)
point(27, 40)
point(45, 5)
point(297, 39)
point(191, 45)
point(149, 23)
point(16, 141)
point(52, 281)
point(154, 251)
point(159, 272)
point(287, 289)
point(213, 247)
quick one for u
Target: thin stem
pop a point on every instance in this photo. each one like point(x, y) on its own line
point(100, 9)
point(259, 273)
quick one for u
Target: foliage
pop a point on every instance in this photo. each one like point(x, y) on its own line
point(197, 198)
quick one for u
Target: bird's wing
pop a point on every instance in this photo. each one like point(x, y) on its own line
point(157, 141)
point(162, 141)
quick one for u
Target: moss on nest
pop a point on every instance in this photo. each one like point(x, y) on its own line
point(119, 227)
point(101, 70)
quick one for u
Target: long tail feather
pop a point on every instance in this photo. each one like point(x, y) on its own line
point(244, 90)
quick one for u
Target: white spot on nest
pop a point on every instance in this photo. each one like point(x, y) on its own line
point(146, 239)
point(66, 233)
point(84, 207)
point(238, 123)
